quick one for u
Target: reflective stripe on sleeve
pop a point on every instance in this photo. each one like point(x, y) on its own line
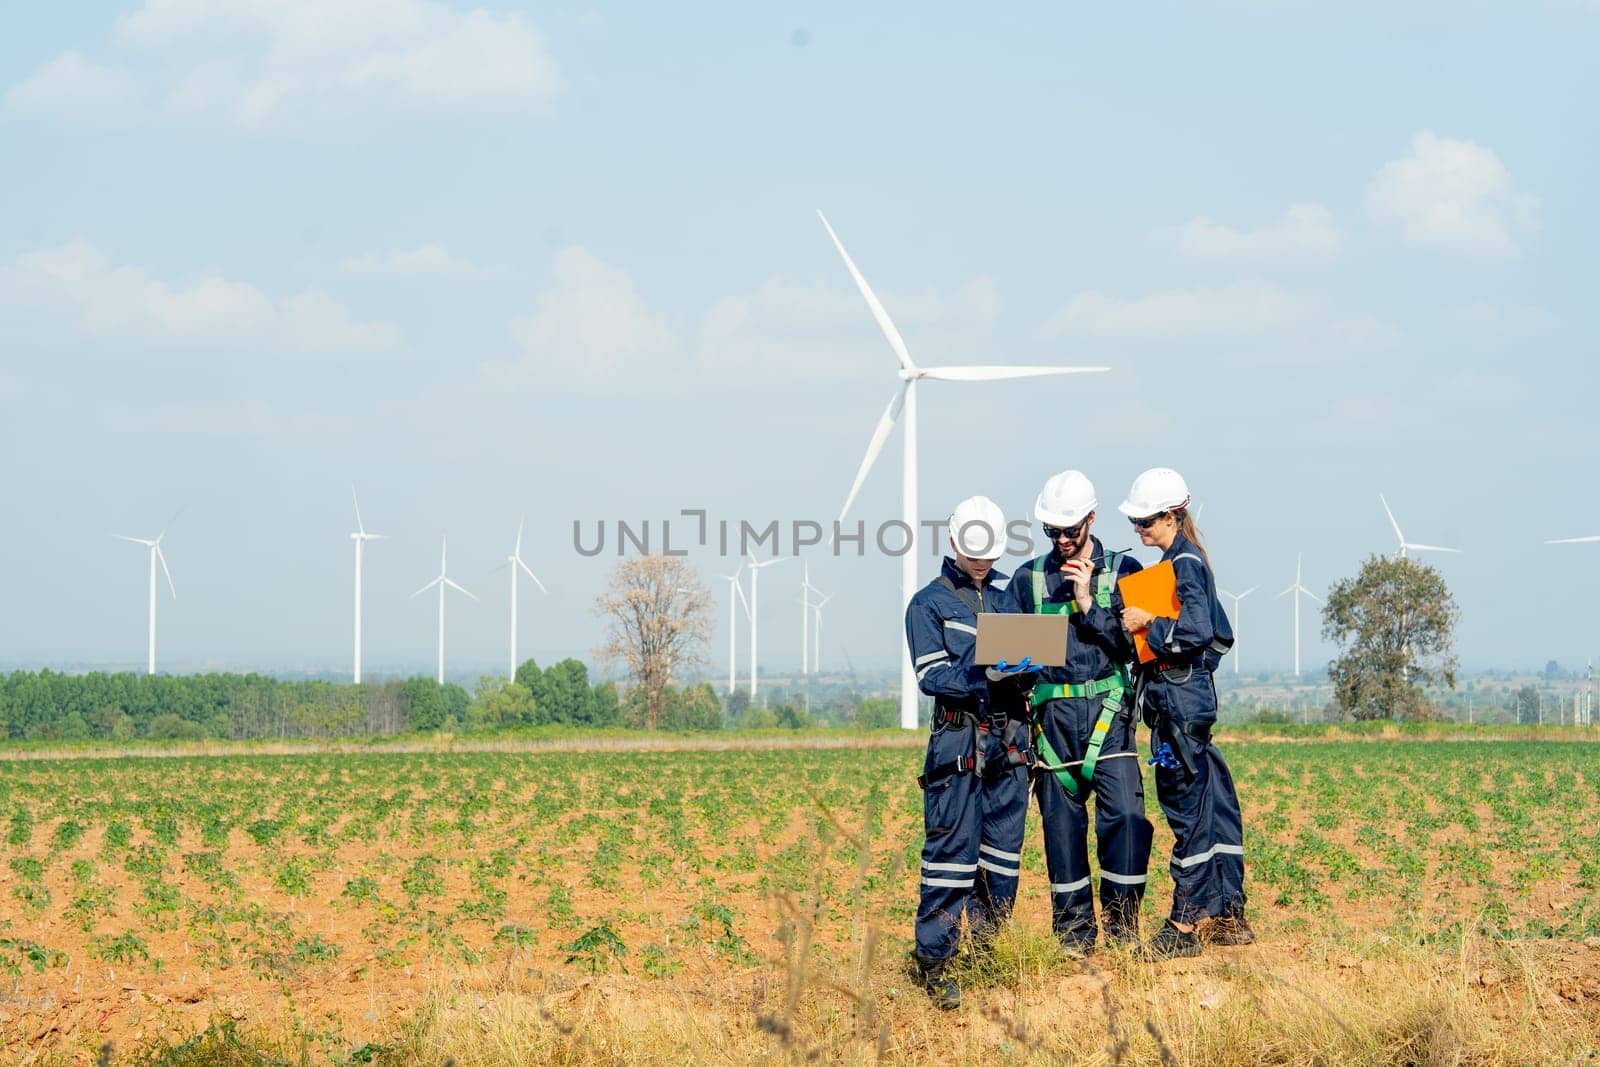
point(931, 666)
point(939, 654)
point(951, 624)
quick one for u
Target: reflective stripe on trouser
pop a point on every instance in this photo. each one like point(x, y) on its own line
point(1208, 855)
point(1122, 833)
point(972, 852)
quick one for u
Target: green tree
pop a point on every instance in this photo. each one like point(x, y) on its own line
point(1394, 623)
point(568, 696)
point(500, 704)
point(878, 713)
point(424, 706)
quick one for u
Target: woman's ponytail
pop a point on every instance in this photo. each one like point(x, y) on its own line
point(1187, 527)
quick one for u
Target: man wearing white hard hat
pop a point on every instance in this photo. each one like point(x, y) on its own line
point(975, 774)
point(1179, 702)
point(1084, 732)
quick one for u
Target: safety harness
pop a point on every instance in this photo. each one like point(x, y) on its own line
point(1075, 777)
point(946, 716)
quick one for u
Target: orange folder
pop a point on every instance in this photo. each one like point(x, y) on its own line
point(1155, 589)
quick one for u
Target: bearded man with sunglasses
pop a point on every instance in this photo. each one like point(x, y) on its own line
point(1084, 725)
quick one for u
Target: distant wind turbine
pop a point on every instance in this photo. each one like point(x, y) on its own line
point(441, 582)
point(735, 599)
point(755, 576)
point(1400, 537)
point(1236, 598)
point(360, 537)
point(514, 561)
point(155, 554)
point(806, 589)
point(1299, 591)
point(816, 644)
point(905, 400)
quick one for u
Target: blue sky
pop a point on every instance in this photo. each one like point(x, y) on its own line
point(483, 261)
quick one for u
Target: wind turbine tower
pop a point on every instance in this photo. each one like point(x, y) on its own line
point(155, 555)
point(1298, 590)
point(1236, 598)
point(514, 561)
point(735, 599)
point(816, 641)
point(441, 582)
point(755, 620)
point(360, 537)
point(904, 401)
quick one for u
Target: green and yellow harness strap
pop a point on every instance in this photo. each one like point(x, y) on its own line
point(1075, 777)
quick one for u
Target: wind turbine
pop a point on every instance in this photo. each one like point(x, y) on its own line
point(1573, 541)
point(905, 400)
point(360, 537)
point(155, 554)
point(1236, 598)
point(514, 561)
point(806, 589)
point(1299, 591)
point(816, 645)
point(1400, 537)
point(755, 575)
point(441, 582)
point(735, 598)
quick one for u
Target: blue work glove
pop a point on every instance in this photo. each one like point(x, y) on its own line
point(1164, 757)
point(1002, 671)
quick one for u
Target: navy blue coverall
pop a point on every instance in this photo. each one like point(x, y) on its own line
point(1096, 645)
point(1177, 697)
point(973, 822)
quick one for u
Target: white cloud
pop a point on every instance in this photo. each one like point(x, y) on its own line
point(73, 87)
point(592, 324)
point(263, 63)
point(1306, 233)
point(125, 301)
point(1453, 195)
point(1243, 309)
point(424, 261)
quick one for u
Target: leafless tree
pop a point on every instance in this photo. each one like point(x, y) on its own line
point(659, 617)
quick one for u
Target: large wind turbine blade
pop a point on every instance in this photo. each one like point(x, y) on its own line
point(1398, 536)
point(896, 342)
point(444, 547)
point(518, 550)
point(529, 572)
point(162, 556)
point(1310, 594)
point(1287, 591)
point(1429, 548)
point(456, 587)
point(880, 435)
point(429, 586)
point(996, 374)
point(136, 540)
point(170, 521)
point(1573, 541)
point(1247, 592)
point(360, 529)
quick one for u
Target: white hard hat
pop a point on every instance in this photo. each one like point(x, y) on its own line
point(1156, 490)
point(978, 528)
point(1066, 500)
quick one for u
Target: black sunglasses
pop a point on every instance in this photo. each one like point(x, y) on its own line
point(1055, 533)
point(1149, 520)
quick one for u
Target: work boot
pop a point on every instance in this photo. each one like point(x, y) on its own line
point(1078, 942)
point(1171, 943)
point(1231, 929)
point(1122, 934)
point(934, 976)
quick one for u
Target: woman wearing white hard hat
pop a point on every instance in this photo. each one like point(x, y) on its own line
point(1179, 702)
point(975, 774)
point(1083, 721)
